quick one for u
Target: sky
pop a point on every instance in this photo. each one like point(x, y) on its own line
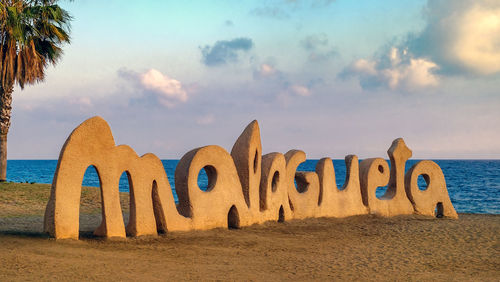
point(329, 77)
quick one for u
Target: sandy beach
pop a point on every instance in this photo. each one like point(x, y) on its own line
point(356, 248)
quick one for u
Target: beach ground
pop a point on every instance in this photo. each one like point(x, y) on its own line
point(355, 248)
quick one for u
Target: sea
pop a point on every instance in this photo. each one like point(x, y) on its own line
point(473, 185)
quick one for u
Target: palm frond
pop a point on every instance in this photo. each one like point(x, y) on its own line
point(32, 33)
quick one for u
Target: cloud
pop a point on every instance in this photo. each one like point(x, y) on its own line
point(225, 51)
point(270, 12)
point(395, 70)
point(266, 71)
point(282, 10)
point(300, 90)
point(312, 3)
point(318, 47)
point(312, 42)
point(81, 101)
point(205, 120)
point(168, 90)
point(283, 84)
point(161, 88)
point(461, 36)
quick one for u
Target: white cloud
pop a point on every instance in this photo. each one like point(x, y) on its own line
point(206, 119)
point(82, 101)
point(365, 67)
point(168, 90)
point(461, 36)
point(418, 74)
point(154, 87)
point(478, 43)
point(282, 84)
point(300, 90)
point(265, 71)
point(397, 70)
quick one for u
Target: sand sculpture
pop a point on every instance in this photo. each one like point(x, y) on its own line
point(245, 187)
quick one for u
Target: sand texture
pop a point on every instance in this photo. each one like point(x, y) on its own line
point(355, 248)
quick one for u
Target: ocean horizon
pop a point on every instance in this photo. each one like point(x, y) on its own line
point(473, 185)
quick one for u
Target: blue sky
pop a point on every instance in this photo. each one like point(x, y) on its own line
point(328, 77)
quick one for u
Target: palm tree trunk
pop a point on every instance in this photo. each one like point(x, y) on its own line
point(5, 111)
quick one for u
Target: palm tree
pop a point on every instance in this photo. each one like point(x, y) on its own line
point(31, 35)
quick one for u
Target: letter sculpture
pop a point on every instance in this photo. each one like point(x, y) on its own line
point(245, 187)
